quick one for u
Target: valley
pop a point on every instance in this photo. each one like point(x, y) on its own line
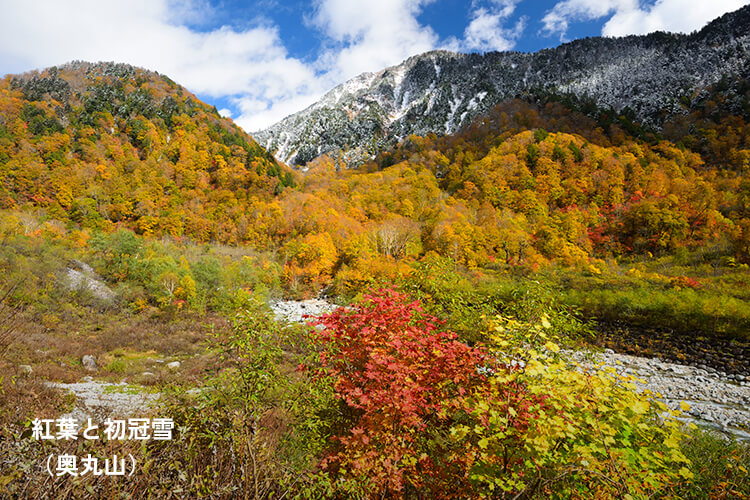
point(527, 276)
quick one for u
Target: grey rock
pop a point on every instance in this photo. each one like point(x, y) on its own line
point(292, 311)
point(173, 365)
point(89, 363)
point(99, 400)
point(83, 267)
point(76, 280)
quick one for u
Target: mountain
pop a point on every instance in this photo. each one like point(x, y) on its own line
point(101, 144)
point(648, 78)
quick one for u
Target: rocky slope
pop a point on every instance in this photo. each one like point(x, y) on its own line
point(647, 77)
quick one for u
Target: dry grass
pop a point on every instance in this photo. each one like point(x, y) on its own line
point(9, 317)
point(23, 396)
point(54, 351)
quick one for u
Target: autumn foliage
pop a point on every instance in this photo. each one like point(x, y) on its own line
point(107, 146)
point(403, 382)
point(424, 414)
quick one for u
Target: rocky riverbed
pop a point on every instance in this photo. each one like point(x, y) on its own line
point(99, 400)
point(717, 399)
point(714, 354)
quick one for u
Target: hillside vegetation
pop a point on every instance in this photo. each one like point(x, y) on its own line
point(102, 144)
point(648, 79)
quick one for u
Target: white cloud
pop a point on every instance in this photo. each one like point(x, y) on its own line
point(631, 17)
point(669, 15)
point(486, 31)
point(249, 67)
point(556, 21)
point(256, 114)
point(368, 36)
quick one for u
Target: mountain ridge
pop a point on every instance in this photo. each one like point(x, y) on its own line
point(652, 76)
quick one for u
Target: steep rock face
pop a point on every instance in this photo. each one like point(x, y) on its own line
point(653, 76)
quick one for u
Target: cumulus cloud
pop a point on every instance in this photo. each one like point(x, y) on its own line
point(256, 114)
point(486, 30)
point(669, 15)
point(152, 34)
point(631, 17)
point(366, 36)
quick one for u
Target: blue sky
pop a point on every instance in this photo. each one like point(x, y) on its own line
point(259, 61)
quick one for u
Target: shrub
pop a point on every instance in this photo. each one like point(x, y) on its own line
point(424, 414)
point(720, 466)
point(400, 381)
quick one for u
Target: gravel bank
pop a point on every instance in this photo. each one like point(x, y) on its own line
point(715, 400)
point(293, 311)
point(99, 400)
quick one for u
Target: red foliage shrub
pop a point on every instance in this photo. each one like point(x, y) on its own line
point(404, 383)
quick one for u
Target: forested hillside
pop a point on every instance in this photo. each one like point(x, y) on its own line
point(526, 187)
point(144, 241)
point(102, 144)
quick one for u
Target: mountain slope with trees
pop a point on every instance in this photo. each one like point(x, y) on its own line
point(102, 144)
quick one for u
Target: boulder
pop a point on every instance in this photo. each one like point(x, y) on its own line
point(89, 363)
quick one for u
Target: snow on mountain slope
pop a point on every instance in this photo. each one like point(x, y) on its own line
point(655, 76)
